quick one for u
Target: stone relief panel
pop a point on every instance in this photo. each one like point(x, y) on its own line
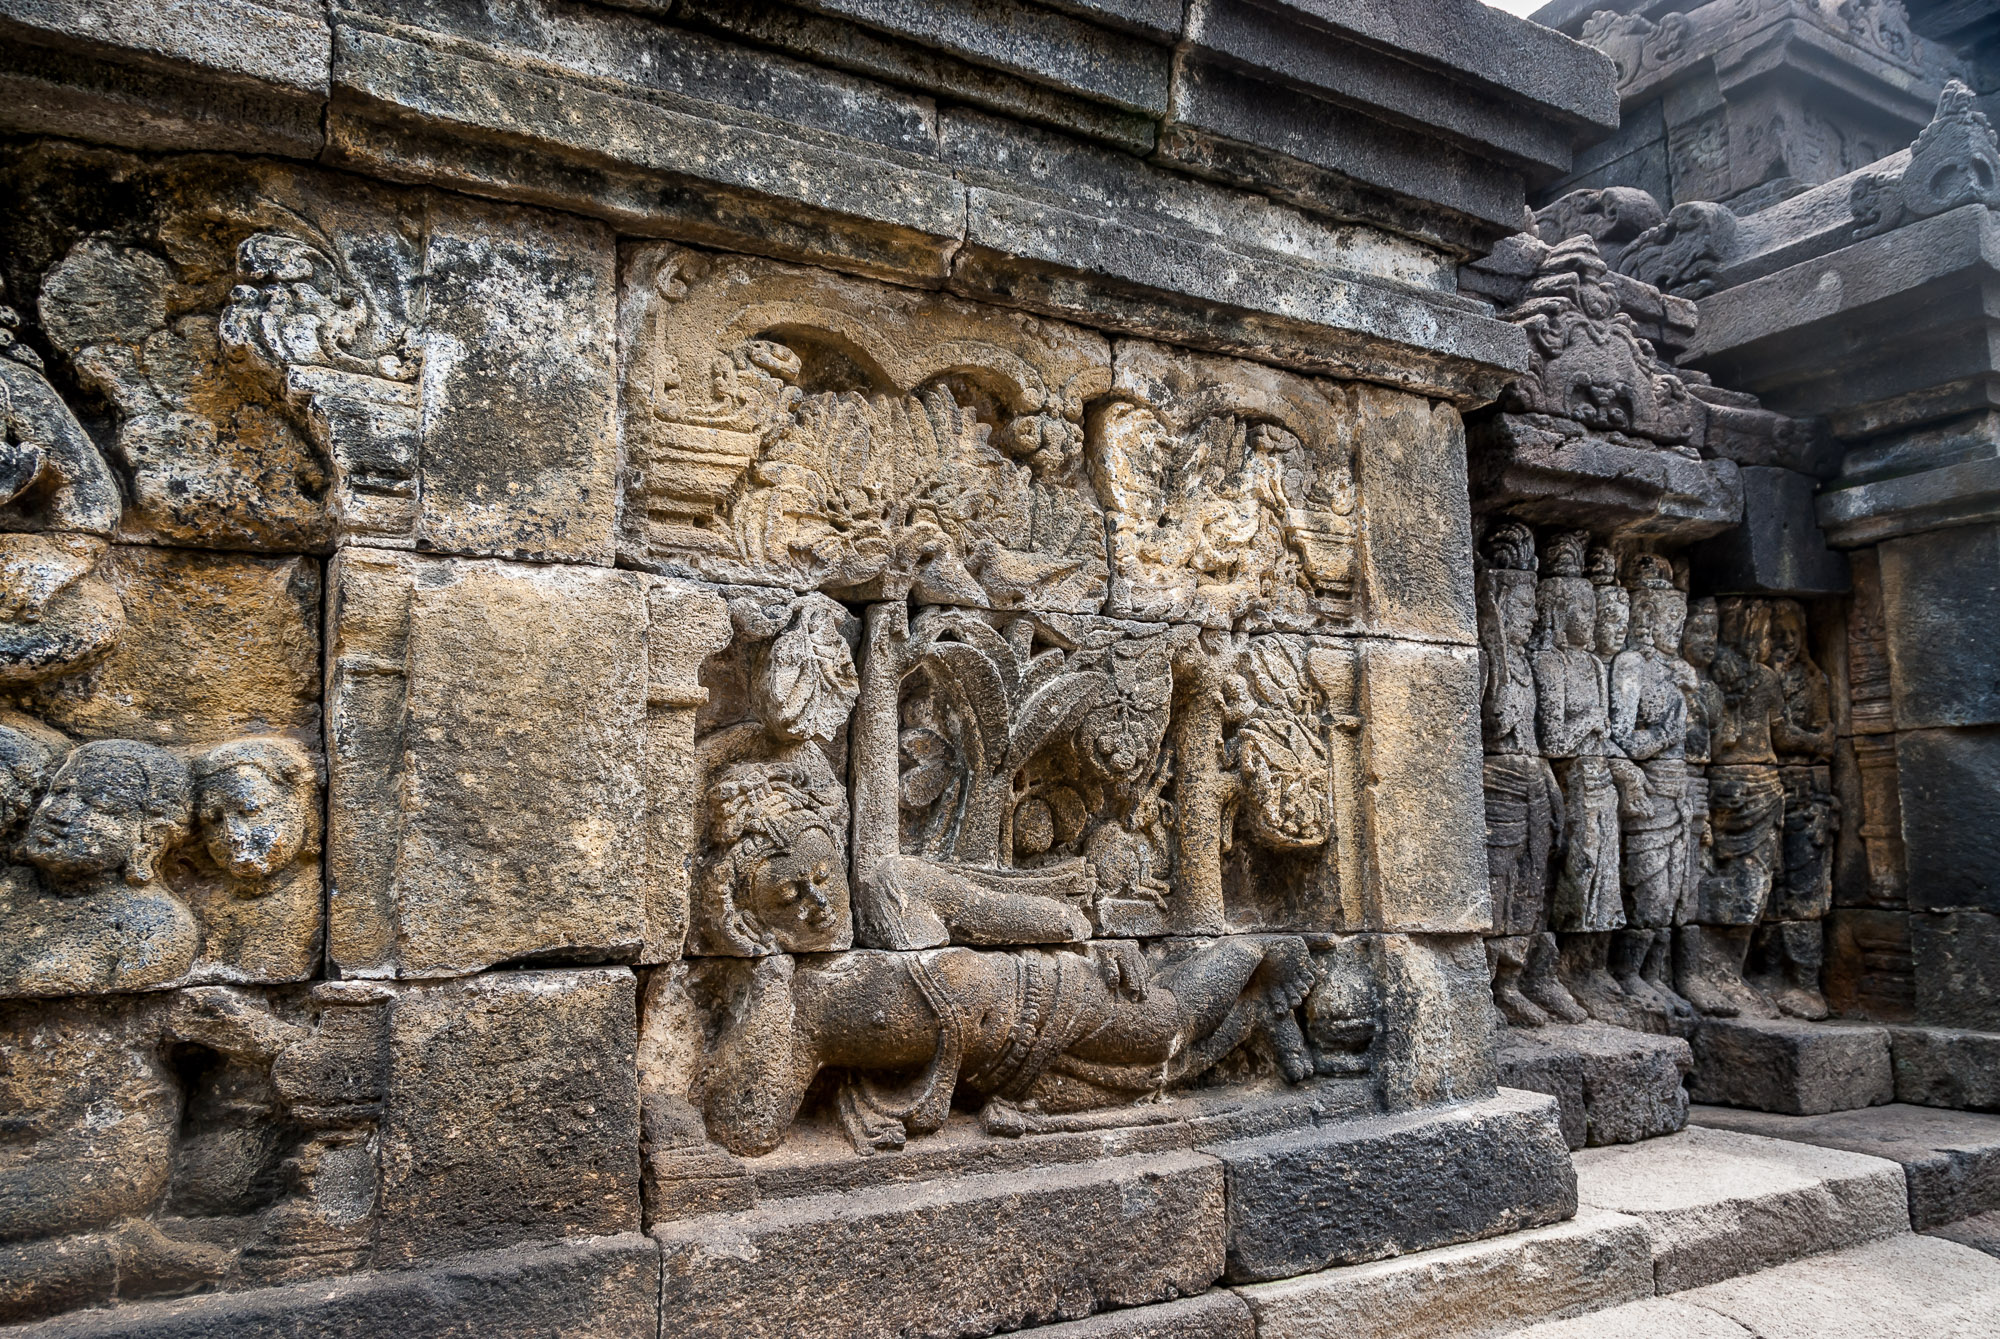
point(284, 359)
point(1660, 811)
point(788, 426)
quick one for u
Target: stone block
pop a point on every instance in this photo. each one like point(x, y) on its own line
point(968, 1256)
point(596, 1288)
point(1434, 1040)
point(1783, 1065)
point(1553, 472)
point(215, 645)
point(1948, 784)
point(520, 449)
point(512, 1113)
point(229, 75)
point(425, 108)
point(448, 678)
point(1956, 960)
point(1423, 811)
point(1417, 550)
point(1946, 1067)
point(1213, 1315)
point(1615, 1086)
point(1717, 1204)
point(1942, 605)
point(1950, 1158)
point(1356, 1191)
point(1779, 549)
point(1656, 1318)
point(1906, 1285)
point(1595, 1260)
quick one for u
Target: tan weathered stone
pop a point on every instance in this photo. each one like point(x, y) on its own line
point(792, 427)
point(491, 734)
point(511, 1113)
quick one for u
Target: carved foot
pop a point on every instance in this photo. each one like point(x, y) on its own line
point(1545, 989)
point(1801, 1003)
point(1518, 1009)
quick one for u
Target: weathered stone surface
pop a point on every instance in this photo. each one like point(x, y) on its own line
point(1716, 1204)
point(1436, 1035)
point(1952, 1159)
point(448, 678)
point(511, 1113)
point(1945, 779)
point(1946, 1067)
point(519, 450)
point(1898, 1286)
point(1615, 1086)
point(1783, 1065)
point(214, 645)
point(976, 1254)
point(1981, 1232)
point(1657, 1317)
point(224, 74)
point(605, 1287)
point(1425, 864)
point(1944, 614)
point(1596, 1260)
point(1779, 548)
point(1213, 1315)
point(1344, 1194)
point(1956, 957)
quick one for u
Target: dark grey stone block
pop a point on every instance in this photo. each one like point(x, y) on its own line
point(1616, 1086)
point(1946, 1067)
point(1956, 960)
point(1788, 1066)
point(1941, 601)
point(1367, 1189)
point(598, 1288)
point(1951, 1158)
point(1551, 472)
point(1949, 784)
point(1779, 548)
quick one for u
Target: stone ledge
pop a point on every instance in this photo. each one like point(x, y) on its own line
point(1597, 1260)
point(970, 1256)
point(1717, 1204)
point(1616, 1086)
point(1788, 1066)
point(1946, 1067)
point(1366, 1189)
point(1950, 1158)
point(1214, 1315)
point(593, 1288)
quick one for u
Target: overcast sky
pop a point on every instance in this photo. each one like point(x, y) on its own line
point(1518, 6)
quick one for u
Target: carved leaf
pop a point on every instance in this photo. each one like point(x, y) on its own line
point(1052, 711)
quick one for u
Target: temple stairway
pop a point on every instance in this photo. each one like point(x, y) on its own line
point(1882, 1223)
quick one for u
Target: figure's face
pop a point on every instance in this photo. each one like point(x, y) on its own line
point(794, 893)
point(1788, 635)
point(1614, 617)
point(1698, 639)
point(87, 824)
point(254, 825)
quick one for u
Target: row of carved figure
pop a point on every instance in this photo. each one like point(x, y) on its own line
point(1657, 790)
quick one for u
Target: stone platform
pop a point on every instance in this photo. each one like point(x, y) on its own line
point(1615, 1085)
point(1789, 1066)
point(1946, 1067)
point(1951, 1159)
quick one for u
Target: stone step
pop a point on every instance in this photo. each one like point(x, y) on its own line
point(1981, 1232)
point(1946, 1067)
point(1905, 1287)
point(1950, 1159)
point(1616, 1086)
point(1716, 1203)
point(1789, 1066)
point(1594, 1261)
